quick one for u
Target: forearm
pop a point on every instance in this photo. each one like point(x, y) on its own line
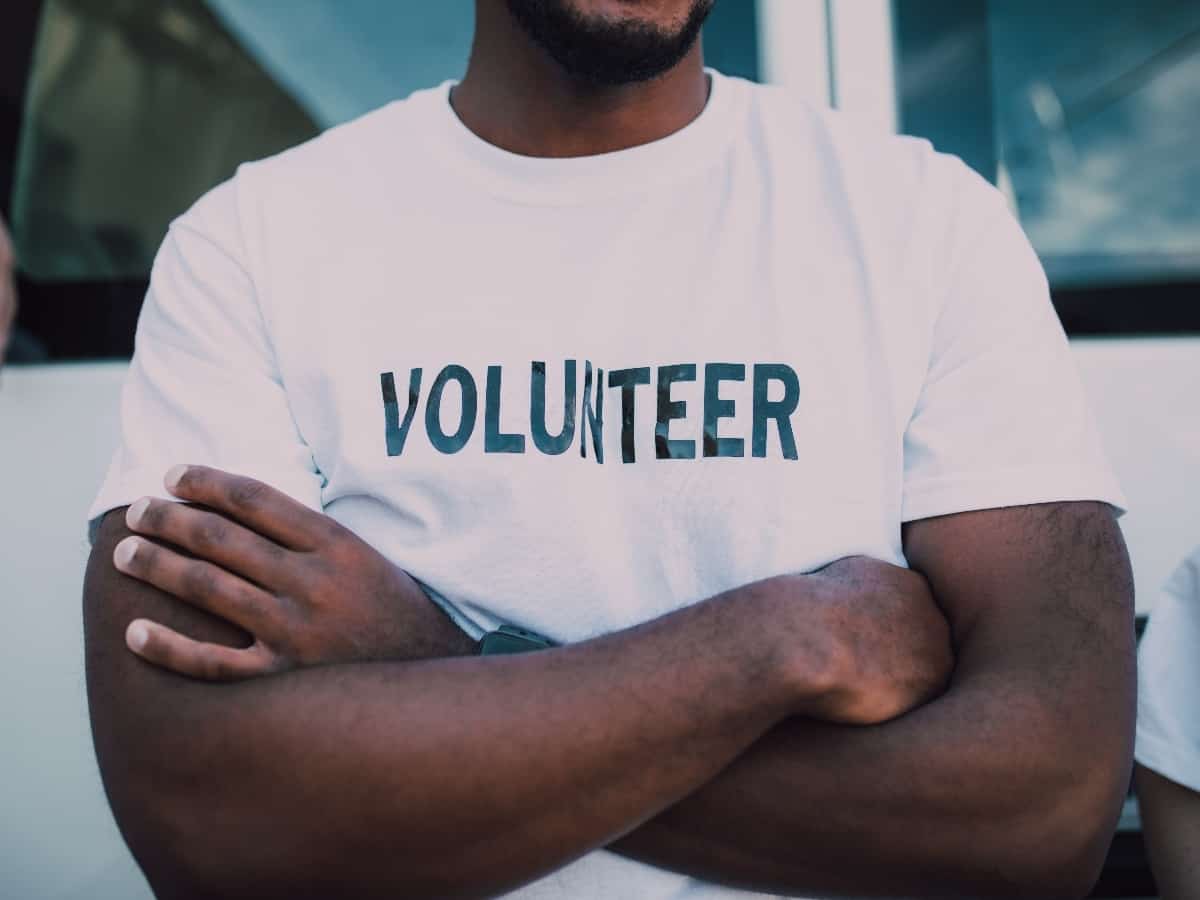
point(1171, 824)
point(455, 777)
point(1009, 784)
point(942, 802)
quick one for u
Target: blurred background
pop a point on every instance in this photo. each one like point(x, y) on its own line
point(116, 114)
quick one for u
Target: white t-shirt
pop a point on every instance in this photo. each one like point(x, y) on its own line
point(820, 333)
point(1168, 723)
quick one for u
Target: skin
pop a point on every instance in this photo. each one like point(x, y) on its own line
point(421, 769)
point(1171, 825)
point(8, 289)
point(516, 97)
point(816, 756)
point(997, 787)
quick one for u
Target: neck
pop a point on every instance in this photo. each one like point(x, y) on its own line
point(519, 99)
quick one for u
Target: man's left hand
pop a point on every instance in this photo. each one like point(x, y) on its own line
point(306, 589)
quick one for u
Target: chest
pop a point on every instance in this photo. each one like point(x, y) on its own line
point(634, 411)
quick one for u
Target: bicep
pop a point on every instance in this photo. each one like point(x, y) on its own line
point(1047, 584)
point(1040, 601)
point(1171, 823)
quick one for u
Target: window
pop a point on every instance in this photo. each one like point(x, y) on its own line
point(134, 108)
point(1083, 111)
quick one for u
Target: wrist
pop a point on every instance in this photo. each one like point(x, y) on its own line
point(809, 661)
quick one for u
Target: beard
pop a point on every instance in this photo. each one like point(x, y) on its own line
point(607, 52)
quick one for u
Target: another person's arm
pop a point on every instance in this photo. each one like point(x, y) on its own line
point(1168, 733)
point(1171, 825)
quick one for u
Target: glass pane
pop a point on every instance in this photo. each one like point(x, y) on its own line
point(137, 107)
point(1098, 106)
point(1092, 124)
point(134, 109)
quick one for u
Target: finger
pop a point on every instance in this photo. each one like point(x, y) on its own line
point(201, 584)
point(215, 538)
point(256, 505)
point(169, 649)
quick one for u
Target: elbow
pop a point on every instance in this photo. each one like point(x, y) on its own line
point(159, 825)
point(1064, 873)
point(194, 837)
point(189, 842)
point(1059, 847)
point(147, 814)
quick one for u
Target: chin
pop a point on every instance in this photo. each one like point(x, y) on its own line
point(664, 14)
point(613, 42)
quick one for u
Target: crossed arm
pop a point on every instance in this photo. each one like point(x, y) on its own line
point(469, 776)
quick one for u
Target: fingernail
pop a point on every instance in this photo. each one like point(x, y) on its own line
point(134, 514)
point(174, 476)
point(136, 635)
point(124, 553)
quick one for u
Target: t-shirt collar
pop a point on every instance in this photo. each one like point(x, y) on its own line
point(562, 181)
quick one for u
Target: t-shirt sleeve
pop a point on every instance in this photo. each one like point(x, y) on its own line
point(203, 386)
point(1168, 721)
point(1001, 418)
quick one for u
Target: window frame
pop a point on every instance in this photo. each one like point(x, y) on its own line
point(1129, 307)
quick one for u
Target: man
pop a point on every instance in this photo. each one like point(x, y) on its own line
point(825, 355)
point(1168, 733)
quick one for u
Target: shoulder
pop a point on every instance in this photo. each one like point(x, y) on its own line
point(860, 153)
point(346, 160)
point(285, 207)
point(897, 193)
point(389, 132)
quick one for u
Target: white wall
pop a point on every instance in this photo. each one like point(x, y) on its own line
point(1146, 397)
point(57, 838)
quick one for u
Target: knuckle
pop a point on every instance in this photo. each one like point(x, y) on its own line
point(209, 532)
point(244, 601)
point(341, 549)
point(334, 532)
point(274, 551)
point(216, 669)
point(198, 582)
point(269, 661)
point(246, 493)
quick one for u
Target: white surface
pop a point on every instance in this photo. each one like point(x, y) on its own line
point(792, 46)
point(57, 838)
point(864, 74)
point(1146, 396)
point(1168, 720)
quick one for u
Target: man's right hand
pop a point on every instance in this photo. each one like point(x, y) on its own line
point(886, 645)
point(8, 289)
point(307, 590)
